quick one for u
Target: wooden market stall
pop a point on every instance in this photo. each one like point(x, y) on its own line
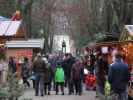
point(106, 48)
point(9, 29)
point(124, 45)
point(23, 48)
point(127, 37)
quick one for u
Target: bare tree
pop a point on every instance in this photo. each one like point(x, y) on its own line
point(42, 21)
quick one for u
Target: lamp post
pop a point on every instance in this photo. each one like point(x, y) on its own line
point(64, 46)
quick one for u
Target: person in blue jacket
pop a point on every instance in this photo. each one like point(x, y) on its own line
point(118, 77)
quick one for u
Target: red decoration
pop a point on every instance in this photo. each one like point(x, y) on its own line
point(90, 80)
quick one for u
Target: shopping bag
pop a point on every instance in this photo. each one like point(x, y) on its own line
point(33, 76)
point(107, 88)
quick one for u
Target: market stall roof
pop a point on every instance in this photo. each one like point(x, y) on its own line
point(94, 45)
point(31, 43)
point(4, 18)
point(130, 29)
point(127, 34)
point(9, 28)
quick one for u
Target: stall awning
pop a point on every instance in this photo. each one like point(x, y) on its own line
point(4, 19)
point(9, 28)
point(31, 43)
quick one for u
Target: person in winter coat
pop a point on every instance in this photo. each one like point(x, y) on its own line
point(67, 66)
point(12, 65)
point(48, 79)
point(1, 71)
point(119, 77)
point(39, 68)
point(59, 78)
point(25, 71)
point(101, 73)
point(77, 76)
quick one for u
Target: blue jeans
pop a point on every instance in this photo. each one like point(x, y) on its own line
point(39, 84)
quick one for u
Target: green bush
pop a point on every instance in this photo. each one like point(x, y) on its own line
point(3, 93)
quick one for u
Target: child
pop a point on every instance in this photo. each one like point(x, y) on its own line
point(59, 78)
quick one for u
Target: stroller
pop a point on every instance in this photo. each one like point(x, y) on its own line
point(90, 82)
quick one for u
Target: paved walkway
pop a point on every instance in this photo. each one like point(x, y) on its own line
point(87, 95)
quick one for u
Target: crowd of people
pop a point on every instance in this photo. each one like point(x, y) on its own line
point(117, 74)
point(50, 72)
point(66, 71)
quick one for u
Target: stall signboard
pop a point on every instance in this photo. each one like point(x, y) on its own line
point(25, 52)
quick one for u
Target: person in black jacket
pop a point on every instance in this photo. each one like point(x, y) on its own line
point(12, 65)
point(25, 71)
point(101, 72)
point(69, 63)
